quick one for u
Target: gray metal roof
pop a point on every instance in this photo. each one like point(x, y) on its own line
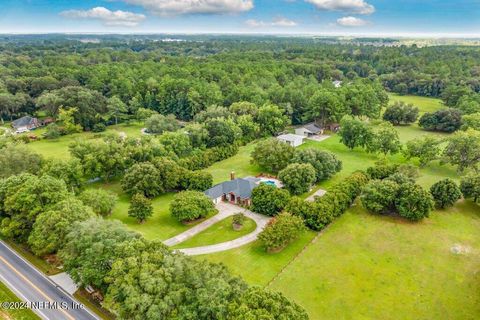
point(239, 187)
point(22, 122)
point(313, 128)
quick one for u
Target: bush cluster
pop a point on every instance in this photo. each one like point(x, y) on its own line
point(318, 214)
point(202, 159)
point(280, 231)
point(397, 194)
point(163, 175)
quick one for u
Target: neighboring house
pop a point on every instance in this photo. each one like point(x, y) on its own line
point(25, 124)
point(292, 139)
point(236, 191)
point(333, 127)
point(309, 130)
point(337, 84)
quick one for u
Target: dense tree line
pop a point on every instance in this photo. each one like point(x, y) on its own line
point(109, 82)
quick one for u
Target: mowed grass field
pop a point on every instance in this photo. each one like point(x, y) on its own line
point(371, 267)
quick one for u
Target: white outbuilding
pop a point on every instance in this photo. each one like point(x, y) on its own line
point(294, 140)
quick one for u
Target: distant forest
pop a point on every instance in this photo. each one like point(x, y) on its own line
point(185, 75)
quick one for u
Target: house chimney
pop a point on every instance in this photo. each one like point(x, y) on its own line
point(232, 175)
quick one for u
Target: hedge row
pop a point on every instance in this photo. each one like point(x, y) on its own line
point(205, 158)
point(318, 214)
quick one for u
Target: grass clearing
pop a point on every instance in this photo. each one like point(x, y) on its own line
point(218, 233)
point(160, 226)
point(372, 267)
point(254, 264)
point(19, 314)
point(240, 164)
point(424, 104)
point(58, 148)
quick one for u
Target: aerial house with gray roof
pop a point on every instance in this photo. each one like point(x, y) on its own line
point(236, 191)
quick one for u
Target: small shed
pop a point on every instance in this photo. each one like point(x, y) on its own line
point(294, 140)
point(25, 123)
point(309, 130)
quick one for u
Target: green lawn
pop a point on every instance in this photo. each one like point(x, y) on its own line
point(423, 103)
point(371, 267)
point(21, 314)
point(218, 233)
point(159, 226)
point(58, 148)
point(254, 264)
point(240, 164)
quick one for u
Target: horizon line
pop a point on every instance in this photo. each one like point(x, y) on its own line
point(297, 34)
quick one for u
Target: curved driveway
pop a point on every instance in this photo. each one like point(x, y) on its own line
point(225, 210)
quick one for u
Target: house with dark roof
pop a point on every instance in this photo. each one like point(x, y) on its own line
point(236, 191)
point(25, 124)
point(309, 130)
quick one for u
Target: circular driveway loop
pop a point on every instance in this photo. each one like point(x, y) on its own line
point(225, 210)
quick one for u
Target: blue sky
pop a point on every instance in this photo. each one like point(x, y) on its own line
point(357, 17)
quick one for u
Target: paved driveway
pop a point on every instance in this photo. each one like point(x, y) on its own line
point(225, 210)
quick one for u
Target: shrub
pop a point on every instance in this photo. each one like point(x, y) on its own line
point(280, 231)
point(397, 194)
point(354, 133)
point(191, 205)
point(401, 113)
point(272, 154)
point(142, 178)
point(445, 193)
point(52, 132)
point(238, 220)
point(379, 196)
point(140, 208)
point(269, 200)
point(52, 226)
point(259, 303)
point(198, 180)
point(298, 178)
point(470, 187)
point(382, 170)
point(447, 120)
point(202, 159)
point(426, 149)
point(413, 202)
point(325, 163)
point(99, 127)
point(158, 123)
point(317, 215)
point(101, 201)
point(471, 121)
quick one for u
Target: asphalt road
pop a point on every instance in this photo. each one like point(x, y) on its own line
point(30, 285)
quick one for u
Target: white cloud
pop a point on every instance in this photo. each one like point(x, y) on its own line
point(277, 22)
point(351, 6)
point(283, 22)
point(109, 18)
point(351, 22)
point(178, 7)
